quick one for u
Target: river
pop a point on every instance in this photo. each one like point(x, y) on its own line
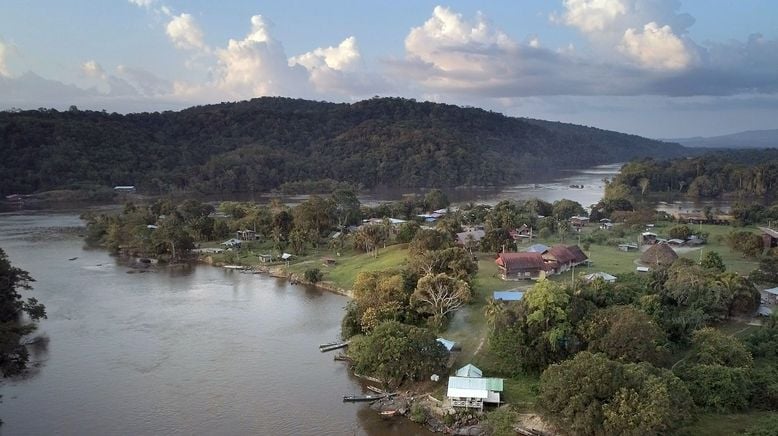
point(195, 351)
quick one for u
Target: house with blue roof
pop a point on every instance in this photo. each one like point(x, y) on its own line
point(508, 295)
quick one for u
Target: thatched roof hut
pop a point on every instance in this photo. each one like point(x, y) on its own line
point(659, 254)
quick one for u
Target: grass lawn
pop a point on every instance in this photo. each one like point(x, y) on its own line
point(348, 266)
point(730, 424)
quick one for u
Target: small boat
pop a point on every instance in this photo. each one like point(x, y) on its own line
point(73, 258)
point(389, 413)
point(328, 344)
point(376, 390)
point(361, 398)
point(333, 347)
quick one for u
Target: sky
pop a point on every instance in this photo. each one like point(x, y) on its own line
point(658, 68)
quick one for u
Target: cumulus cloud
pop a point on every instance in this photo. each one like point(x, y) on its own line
point(185, 33)
point(92, 69)
point(4, 51)
point(257, 65)
point(343, 57)
point(452, 43)
point(656, 48)
point(592, 15)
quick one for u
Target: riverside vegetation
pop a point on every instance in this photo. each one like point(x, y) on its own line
point(663, 353)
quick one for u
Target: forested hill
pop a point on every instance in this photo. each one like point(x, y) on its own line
point(259, 144)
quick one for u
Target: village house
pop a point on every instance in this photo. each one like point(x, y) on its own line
point(659, 255)
point(561, 258)
point(769, 237)
point(464, 238)
point(470, 390)
point(538, 264)
point(579, 221)
point(519, 266)
point(521, 234)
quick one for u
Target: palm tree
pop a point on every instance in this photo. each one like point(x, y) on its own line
point(738, 292)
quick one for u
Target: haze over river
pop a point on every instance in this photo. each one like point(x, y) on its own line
point(198, 350)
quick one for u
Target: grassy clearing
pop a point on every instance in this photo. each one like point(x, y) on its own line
point(736, 423)
point(347, 266)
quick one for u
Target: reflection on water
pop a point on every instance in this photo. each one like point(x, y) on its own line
point(187, 351)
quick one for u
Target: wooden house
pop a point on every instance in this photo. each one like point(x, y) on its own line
point(519, 266)
point(561, 258)
point(468, 389)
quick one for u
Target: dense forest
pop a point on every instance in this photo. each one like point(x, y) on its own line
point(260, 144)
point(746, 173)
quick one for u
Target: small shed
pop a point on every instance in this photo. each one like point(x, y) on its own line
point(328, 261)
point(265, 258)
point(286, 256)
point(628, 247)
point(643, 269)
point(450, 345)
point(508, 295)
point(232, 243)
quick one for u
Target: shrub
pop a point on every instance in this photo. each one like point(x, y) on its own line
point(313, 275)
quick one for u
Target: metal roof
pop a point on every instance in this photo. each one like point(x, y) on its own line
point(773, 291)
point(475, 384)
point(508, 295)
point(446, 343)
point(764, 311)
point(603, 275)
point(536, 248)
point(469, 370)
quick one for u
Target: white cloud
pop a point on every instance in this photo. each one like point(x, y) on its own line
point(343, 57)
point(592, 15)
point(451, 43)
point(656, 48)
point(257, 65)
point(185, 33)
point(4, 52)
point(92, 69)
point(142, 3)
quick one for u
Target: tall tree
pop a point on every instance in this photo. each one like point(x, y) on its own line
point(13, 355)
point(440, 295)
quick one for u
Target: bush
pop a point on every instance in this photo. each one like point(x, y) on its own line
point(313, 275)
point(418, 414)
